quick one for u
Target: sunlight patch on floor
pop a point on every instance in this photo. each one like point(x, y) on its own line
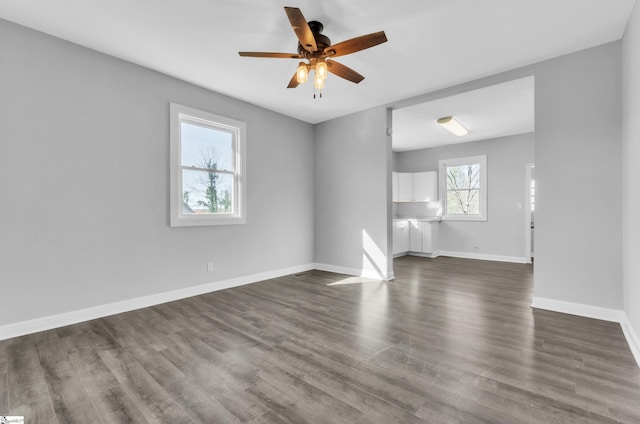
point(354, 280)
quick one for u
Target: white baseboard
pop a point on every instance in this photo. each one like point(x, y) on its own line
point(589, 311)
point(47, 323)
point(484, 257)
point(632, 337)
point(354, 271)
point(424, 255)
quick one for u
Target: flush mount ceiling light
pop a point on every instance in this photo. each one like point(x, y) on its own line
point(317, 50)
point(453, 126)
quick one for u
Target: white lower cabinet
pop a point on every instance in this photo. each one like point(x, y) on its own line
point(423, 237)
point(430, 236)
point(415, 236)
point(400, 236)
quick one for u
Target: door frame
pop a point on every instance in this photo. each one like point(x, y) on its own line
point(527, 219)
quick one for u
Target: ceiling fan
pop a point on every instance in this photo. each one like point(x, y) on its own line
point(317, 50)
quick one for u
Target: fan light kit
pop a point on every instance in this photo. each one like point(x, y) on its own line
point(454, 127)
point(317, 50)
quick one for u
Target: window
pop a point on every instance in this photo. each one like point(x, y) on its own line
point(207, 168)
point(463, 188)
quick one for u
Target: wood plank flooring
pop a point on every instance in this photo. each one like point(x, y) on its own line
point(449, 341)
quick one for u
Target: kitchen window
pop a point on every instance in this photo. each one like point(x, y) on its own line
point(207, 168)
point(463, 188)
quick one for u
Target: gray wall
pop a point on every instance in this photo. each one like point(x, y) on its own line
point(503, 234)
point(631, 159)
point(353, 191)
point(84, 183)
point(578, 159)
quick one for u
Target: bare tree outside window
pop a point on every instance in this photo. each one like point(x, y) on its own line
point(213, 191)
point(463, 189)
point(207, 171)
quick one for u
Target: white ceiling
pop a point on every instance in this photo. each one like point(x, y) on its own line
point(432, 43)
point(491, 112)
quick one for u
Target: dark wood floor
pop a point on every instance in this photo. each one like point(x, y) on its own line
point(450, 341)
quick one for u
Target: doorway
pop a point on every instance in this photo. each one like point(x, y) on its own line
point(530, 212)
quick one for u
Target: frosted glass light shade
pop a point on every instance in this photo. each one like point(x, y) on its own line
point(302, 74)
point(453, 126)
point(321, 70)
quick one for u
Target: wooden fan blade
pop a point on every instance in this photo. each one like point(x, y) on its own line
point(270, 55)
point(356, 44)
point(301, 28)
point(343, 71)
point(294, 81)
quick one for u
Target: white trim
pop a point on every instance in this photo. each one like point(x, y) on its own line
point(442, 178)
point(178, 114)
point(589, 311)
point(354, 271)
point(527, 219)
point(484, 257)
point(424, 255)
point(632, 337)
point(596, 312)
point(47, 323)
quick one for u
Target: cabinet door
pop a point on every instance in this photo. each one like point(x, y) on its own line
point(425, 186)
point(404, 236)
point(405, 187)
point(396, 239)
point(415, 236)
point(427, 245)
point(394, 186)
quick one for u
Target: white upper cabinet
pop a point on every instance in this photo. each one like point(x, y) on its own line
point(425, 187)
point(415, 187)
point(405, 187)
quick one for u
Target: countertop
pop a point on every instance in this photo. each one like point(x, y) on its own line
point(419, 218)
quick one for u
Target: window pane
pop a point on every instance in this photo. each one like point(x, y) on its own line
point(463, 202)
point(205, 147)
point(463, 177)
point(207, 192)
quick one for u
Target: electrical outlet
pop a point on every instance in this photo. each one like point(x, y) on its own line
point(476, 247)
point(209, 266)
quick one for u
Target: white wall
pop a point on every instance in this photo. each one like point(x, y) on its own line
point(353, 193)
point(503, 234)
point(84, 183)
point(630, 178)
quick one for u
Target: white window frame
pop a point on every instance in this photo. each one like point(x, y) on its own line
point(178, 114)
point(470, 160)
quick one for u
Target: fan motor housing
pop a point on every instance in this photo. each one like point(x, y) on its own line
point(322, 41)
